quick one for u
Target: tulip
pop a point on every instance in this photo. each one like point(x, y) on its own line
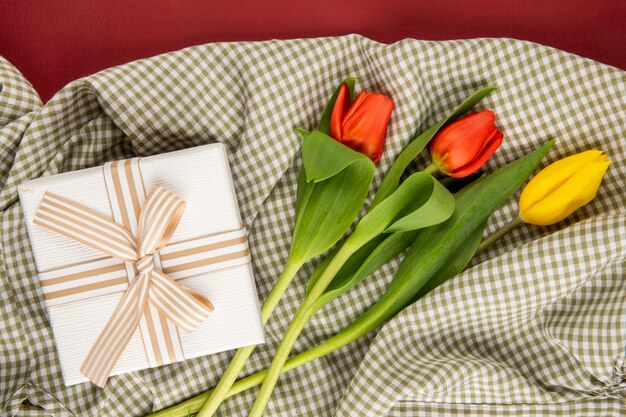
point(557, 191)
point(562, 188)
point(362, 124)
point(463, 146)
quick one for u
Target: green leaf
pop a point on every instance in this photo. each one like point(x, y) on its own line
point(304, 188)
point(324, 126)
point(456, 263)
point(302, 132)
point(323, 157)
point(420, 201)
point(438, 207)
point(417, 145)
point(327, 208)
point(363, 263)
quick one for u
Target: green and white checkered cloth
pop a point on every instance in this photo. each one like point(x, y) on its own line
point(536, 326)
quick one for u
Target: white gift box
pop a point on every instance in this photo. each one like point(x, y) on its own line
point(201, 177)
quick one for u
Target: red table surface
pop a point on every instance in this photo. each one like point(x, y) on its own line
point(54, 42)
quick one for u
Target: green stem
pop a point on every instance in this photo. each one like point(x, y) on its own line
point(499, 233)
point(303, 314)
point(275, 369)
point(431, 169)
point(354, 331)
point(241, 356)
point(348, 335)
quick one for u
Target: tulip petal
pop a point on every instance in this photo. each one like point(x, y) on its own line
point(575, 192)
point(356, 104)
point(339, 110)
point(485, 153)
point(459, 143)
point(555, 175)
point(365, 124)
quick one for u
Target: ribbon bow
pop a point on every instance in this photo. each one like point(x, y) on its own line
point(157, 222)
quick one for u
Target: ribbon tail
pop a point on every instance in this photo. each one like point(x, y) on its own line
point(184, 307)
point(118, 331)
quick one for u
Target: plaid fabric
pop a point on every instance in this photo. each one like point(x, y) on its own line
point(534, 326)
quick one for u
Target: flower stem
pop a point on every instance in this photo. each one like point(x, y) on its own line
point(275, 369)
point(432, 168)
point(499, 233)
point(351, 333)
point(241, 356)
point(303, 314)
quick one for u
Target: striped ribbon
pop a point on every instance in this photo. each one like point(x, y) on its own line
point(138, 263)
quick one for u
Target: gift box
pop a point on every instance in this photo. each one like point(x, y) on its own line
point(93, 293)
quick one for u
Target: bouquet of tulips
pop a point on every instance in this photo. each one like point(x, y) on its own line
point(441, 223)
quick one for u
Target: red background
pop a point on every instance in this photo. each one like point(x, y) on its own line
point(54, 42)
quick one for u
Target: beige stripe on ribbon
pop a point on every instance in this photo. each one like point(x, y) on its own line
point(149, 289)
point(127, 195)
point(177, 262)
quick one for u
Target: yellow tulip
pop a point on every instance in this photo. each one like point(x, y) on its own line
point(562, 187)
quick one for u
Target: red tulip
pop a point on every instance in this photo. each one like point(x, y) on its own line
point(463, 146)
point(362, 125)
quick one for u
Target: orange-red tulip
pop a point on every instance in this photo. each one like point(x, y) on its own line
point(361, 125)
point(463, 146)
